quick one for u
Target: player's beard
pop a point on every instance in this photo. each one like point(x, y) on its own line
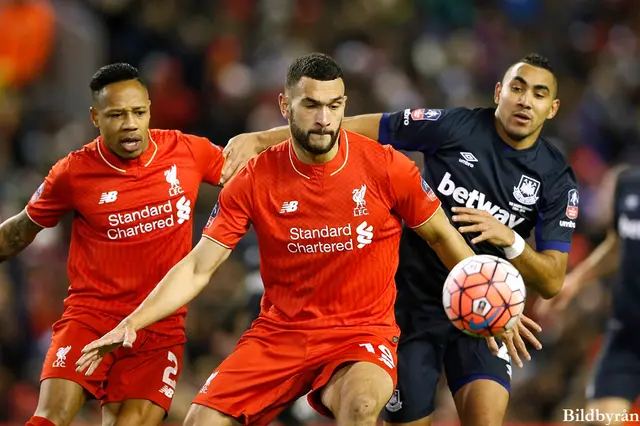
point(302, 138)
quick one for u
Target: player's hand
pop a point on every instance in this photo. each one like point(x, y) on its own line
point(483, 223)
point(239, 150)
point(94, 352)
point(513, 340)
point(571, 287)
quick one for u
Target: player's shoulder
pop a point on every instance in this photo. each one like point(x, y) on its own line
point(460, 117)
point(171, 140)
point(360, 143)
point(461, 125)
point(163, 136)
point(553, 162)
point(368, 152)
point(268, 161)
point(271, 157)
point(173, 137)
point(80, 158)
point(376, 158)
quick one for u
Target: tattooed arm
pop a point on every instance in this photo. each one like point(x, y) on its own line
point(16, 233)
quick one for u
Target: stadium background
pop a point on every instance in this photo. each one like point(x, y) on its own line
point(214, 68)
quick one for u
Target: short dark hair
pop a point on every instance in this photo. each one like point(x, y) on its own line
point(316, 66)
point(113, 73)
point(537, 60)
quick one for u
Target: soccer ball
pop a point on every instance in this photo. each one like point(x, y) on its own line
point(484, 295)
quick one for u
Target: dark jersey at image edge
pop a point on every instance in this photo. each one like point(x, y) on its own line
point(467, 164)
point(626, 291)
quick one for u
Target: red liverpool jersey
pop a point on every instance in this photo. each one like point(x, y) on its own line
point(132, 218)
point(328, 234)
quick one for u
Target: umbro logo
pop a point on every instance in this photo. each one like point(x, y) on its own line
point(108, 197)
point(467, 159)
point(289, 207)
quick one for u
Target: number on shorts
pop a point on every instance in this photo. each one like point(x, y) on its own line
point(386, 355)
point(170, 371)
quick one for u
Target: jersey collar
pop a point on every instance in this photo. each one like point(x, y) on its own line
point(122, 165)
point(330, 168)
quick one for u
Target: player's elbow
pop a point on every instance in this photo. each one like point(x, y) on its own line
point(550, 288)
point(205, 259)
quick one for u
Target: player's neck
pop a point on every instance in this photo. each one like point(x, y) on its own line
point(522, 144)
point(310, 158)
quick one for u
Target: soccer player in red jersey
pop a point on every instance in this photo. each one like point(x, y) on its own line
point(327, 206)
point(132, 192)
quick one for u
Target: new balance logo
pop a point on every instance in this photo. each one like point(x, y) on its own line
point(167, 391)
point(467, 159)
point(289, 207)
point(108, 197)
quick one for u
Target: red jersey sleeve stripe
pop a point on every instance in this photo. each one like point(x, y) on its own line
point(31, 219)
point(216, 241)
point(429, 218)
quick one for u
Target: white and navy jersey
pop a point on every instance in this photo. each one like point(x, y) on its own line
point(626, 292)
point(468, 164)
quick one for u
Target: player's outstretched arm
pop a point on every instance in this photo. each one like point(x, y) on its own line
point(16, 233)
point(181, 284)
point(543, 271)
point(241, 148)
point(603, 261)
point(444, 239)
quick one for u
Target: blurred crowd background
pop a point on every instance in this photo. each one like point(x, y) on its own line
point(215, 68)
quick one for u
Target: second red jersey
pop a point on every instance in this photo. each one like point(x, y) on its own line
point(328, 234)
point(132, 219)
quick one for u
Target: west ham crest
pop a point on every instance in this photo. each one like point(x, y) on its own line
point(527, 191)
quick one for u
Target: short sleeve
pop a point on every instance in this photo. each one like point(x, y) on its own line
point(53, 198)
point(231, 217)
point(557, 217)
point(422, 130)
point(208, 157)
point(413, 200)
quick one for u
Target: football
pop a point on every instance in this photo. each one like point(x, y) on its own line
point(484, 295)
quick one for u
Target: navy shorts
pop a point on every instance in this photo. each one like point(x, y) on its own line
point(427, 343)
point(617, 370)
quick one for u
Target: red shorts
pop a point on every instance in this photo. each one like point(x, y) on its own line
point(147, 371)
point(271, 367)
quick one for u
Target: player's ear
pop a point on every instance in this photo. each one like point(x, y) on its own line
point(284, 106)
point(94, 116)
point(496, 94)
point(555, 105)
